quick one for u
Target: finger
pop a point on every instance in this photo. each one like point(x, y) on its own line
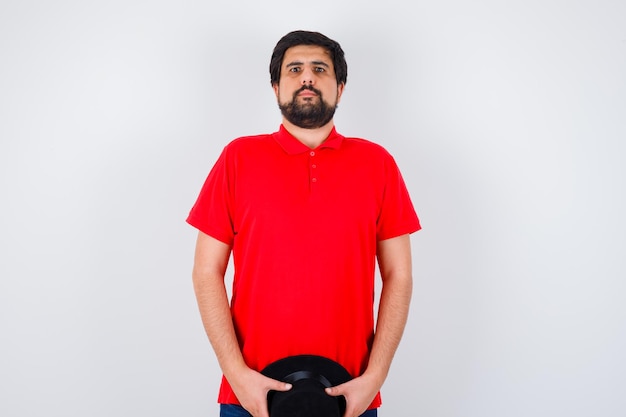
point(279, 386)
point(334, 391)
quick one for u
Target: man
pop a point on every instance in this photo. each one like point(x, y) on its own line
point(306, 212)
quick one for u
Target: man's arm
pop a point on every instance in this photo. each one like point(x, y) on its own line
point(394, 259)
point(250, 387)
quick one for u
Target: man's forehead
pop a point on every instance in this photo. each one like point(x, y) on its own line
point(307, 53)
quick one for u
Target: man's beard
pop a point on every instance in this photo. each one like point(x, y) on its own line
point(311, 114)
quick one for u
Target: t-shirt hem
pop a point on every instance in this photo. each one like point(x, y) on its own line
point(192, 221)
point(399, 232)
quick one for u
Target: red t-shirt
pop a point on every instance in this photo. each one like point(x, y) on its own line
point(303, 224)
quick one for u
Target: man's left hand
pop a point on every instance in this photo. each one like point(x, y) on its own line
point(359, 393)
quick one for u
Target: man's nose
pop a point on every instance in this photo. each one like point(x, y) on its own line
point(307, 77)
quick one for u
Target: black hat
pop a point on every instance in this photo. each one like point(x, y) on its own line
point(309, 375)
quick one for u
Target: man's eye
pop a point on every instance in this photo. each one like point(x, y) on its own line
point(294, 69)
point(320, 69)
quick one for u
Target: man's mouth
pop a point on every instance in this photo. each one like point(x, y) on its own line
point(307, 92)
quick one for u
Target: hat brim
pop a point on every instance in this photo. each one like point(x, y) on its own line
point(330, 370)
point(309, 375)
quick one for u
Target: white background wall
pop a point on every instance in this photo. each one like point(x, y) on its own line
point(507, 118)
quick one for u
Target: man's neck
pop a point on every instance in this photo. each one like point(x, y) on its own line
point(310, 137)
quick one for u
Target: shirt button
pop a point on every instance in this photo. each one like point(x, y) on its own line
point(312, 153)
point(314, 180)
point(313, 166)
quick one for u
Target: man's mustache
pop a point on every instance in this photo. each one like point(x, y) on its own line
point(308, 87)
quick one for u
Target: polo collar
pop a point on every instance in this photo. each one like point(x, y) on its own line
point(293, 146)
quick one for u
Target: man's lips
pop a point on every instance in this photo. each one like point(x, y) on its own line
point(307, 92)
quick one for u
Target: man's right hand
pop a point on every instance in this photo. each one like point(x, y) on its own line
point(251, 388)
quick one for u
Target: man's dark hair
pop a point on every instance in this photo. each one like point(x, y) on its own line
point(302, 37)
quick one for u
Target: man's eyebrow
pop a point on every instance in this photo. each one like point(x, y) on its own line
point(296, 63)
point(322, 63)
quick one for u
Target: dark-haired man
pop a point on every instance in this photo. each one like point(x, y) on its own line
point(306, 212)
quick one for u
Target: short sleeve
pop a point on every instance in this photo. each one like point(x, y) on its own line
point(397, 215)
point(212, 211)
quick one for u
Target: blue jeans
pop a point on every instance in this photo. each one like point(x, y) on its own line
point(231, 410)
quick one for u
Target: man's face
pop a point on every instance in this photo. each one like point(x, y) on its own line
point(307, 92)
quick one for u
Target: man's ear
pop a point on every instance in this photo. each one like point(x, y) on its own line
point(275, 88)
point(340, 88)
